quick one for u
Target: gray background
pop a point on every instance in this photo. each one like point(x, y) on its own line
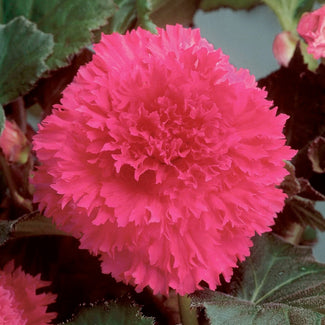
point(247, 37)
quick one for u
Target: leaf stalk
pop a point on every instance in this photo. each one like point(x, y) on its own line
point(188, 314)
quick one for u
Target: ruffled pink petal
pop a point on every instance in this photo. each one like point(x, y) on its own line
point(162, 158)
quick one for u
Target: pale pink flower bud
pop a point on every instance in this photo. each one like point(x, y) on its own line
point(14, 144)
point(284, 46)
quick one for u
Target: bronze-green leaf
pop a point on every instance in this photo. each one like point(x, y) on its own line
point(222, 309)
point(111, 314)
point(278, 284)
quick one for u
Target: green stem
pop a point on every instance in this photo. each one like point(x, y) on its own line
point(188, 314)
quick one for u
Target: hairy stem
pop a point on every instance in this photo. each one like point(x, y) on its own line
point(188, 314)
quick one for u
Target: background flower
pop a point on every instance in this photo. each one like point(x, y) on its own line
point(20, 304)
point(311, 28)
point(14, 144)
point(163, 159)
point(284, 46)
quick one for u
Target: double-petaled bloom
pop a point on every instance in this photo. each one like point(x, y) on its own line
point(163, 159)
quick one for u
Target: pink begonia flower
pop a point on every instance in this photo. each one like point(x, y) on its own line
point(311, 27)
point(163, 159)
point(284, 46)
point(14, 144)
point(20, 305)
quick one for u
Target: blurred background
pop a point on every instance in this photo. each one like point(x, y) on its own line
point(247, 37)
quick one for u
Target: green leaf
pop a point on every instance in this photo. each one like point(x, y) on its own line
point(278, 284)
point(144, 8)
point(131, 13)
point(123, 18)
point(289, 11)
point(24, 50)
point(70, 21)
point(208, 5)
point(2, 119)
point(111, 314)
point(147, 14)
